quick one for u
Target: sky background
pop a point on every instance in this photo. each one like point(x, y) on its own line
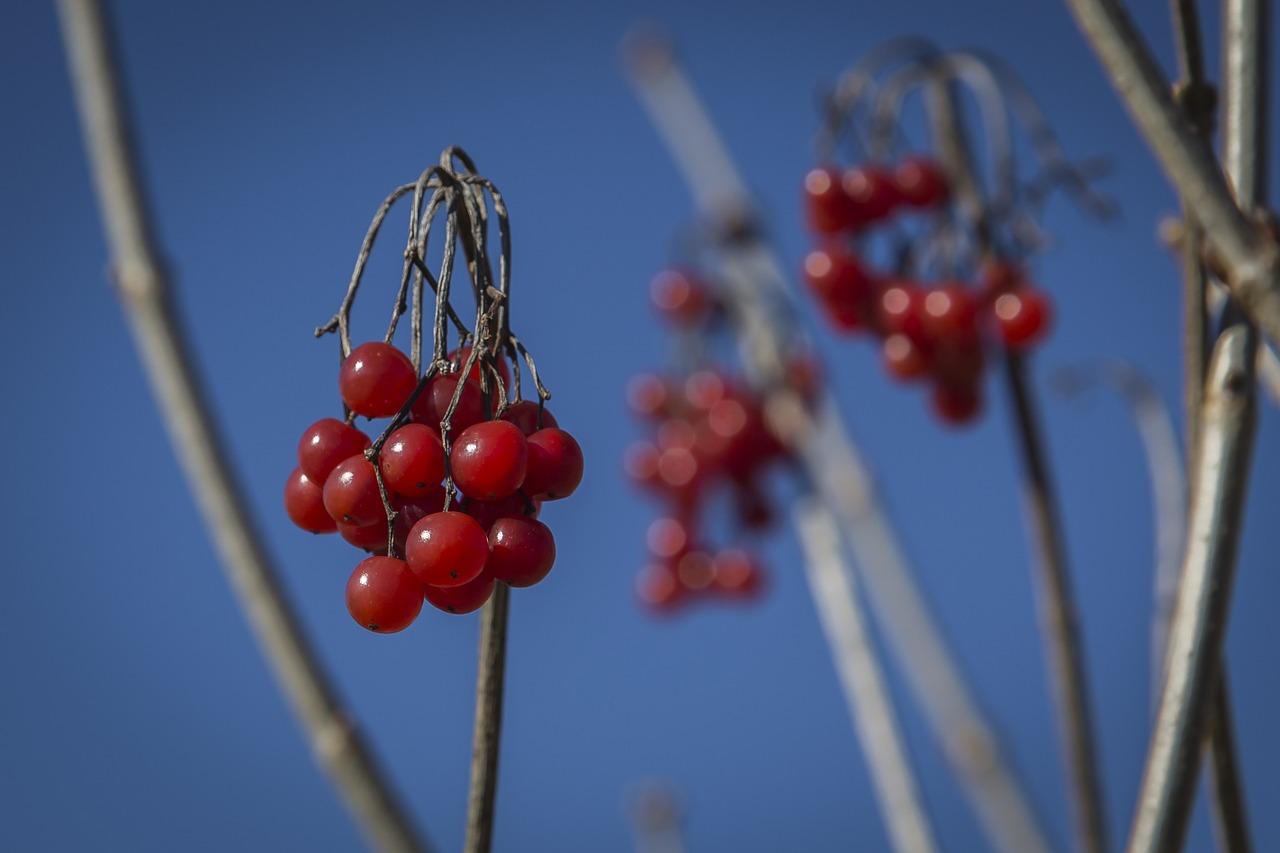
point(137, 713)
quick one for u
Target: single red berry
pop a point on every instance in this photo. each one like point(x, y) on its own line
point(920, 182)
point(838, 278)
point(872, 191)
point(447, 549)
point(904, 359)
point(956, 404)
point(459, 357)
point(376, 380)
point(383, 595)
point(704, 388)
point(366, 537)
point(489, 460)
point(430, 407)
point(486, 513)
point(949, 311)
point(351, 492)
point(900, 310)
point(464, 598)
point(659, 589)
point(668, 538)
point(958, 360)
point(326, 443)
point(1023, 317)
point(680, 297)
point(304, 503)
point(641, 463)
point(521, 551)
point(525, 415)
point(554, 465)
point(829, 209)
point(409, 511)
point(999, 276)
point(412, 461)
point(649, 395)
point(695, 570)
point(737, 575)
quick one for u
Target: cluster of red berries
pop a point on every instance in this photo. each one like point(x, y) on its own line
point(927, 331)
point(392, 496)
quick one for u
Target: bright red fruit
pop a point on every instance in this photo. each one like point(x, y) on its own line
point(956, 404)
point(736, 574)
point(351, 492)
point(326, 443)
point(524, 414)
point(650, 395)
point(376, 380)
point(383, 595)
point(1023, 317)
point(872, 191)
point(554, 465)
point(465, 598)
point(900, 310)
point(304, 502)
point(920, 182)
point(459, 358)
point(680, 297)
point(412, 461)
point(521, 551)
point(447, 549)
point(904, 359)
point(830, 211)
point(949, 311)
point(660, 589)
point(489, 459)
point(668, 538)
point(430, 407)
point(514, 506)
point(838, 278)
point(367, 537)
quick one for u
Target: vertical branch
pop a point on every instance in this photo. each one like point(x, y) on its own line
point(835, 595)
point(488, 730)
point(1057, 607)
point(145, 295)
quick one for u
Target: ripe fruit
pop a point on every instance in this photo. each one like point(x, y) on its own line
point(368, 537)
point(920, 183)
point(376, 379)
point(447, 549)
point(351, 492)
point(326, 443)
point(736, 574)
point(956, 404)
point(383, 595)
point(838, 278)
point(555, 464)
point(465, 598)
point(872, 191)
point(949, 311)
point(521, 551)
point(679, 297)
point(1023, 317)
point(430, 407)
point(412, 461)
point(459, 358)
point(489, 459)
point(524, 414)
point(904, 359)
point(304, 503)
point(829, 209)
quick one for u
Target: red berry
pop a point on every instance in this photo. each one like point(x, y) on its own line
point(430, 407)
point(554, 465)
point(736, 574)
point(829, 210)
point(958, 361)
point(367, 537)
point(704, 388)
point(459, 357)
point(304, 503)
point(376, 380)
point(956, 404)
point(447, 549)
point(412, 461)
point(920, 182)
point(695, 570)
point(949, 311)
point(465, 598)
point(904, 359)
point(999, 277)
point(486, 513)
point(489, 460)
point(326, 443)
point(521, 551)
point(872, 191)
point(900, 310)
point(351, 492)
point(659, 588)
point(680, 297)
point(383, 595)
point(838, 278)
point(524, 414)
point(641, 463)
point(1023, 317)
point(668, 538)
point(649, 395)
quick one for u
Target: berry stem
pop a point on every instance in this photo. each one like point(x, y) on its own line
point(488, 727)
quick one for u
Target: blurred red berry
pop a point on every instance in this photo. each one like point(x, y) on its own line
point(680, 297)
point(920, 182)
point(1023, 317)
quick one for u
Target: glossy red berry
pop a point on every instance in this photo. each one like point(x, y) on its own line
point(949, 311)
point(459, 357)
point(554, 465)
point(326, 443)
point(489, 460)
point(376, 380)
point(838, 278)
point(383, 595)
point(368, 537)
point(521, 551)
point(829, 209)
point(659, 589)
point(920, 182)
point(304, 503)
point(465, 598)
point(695, 570)
point(956, 404)
point(412, 460)
point(351, 492)
point(486, 513)
point(872, 191)
point(905, 359)
point(680, 297)
point(1023, 317)
point(524, 414)
point(430, 407)
point(447, 549)
point(900, 310)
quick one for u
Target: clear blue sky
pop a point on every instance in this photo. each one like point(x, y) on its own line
point(136, 712)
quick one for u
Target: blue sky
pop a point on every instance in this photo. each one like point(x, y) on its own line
point(137, 714)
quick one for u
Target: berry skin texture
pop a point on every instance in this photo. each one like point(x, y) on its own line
point(487, 512)
point(524, 414)
point(466, 598)
point(304, 503)
point(351, 493)
point(376, 380)
point(412, 461)
point(370, 537)
point(554, 465)
point(383, 595)
point(326, 443)
point(447, 549)
point(521, 551)
point(433, 402)
point(489, 460)
point(1023, 317)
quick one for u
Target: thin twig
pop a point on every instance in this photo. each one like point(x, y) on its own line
point(836, 598)
point(1251, 263)
point(145, 295)
point(834, 464)
point(488, 730)
point(1204, 595)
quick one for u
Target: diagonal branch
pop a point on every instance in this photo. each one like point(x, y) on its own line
point(144, 291)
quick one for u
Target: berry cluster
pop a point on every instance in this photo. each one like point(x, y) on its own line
point(447, 498)
point(710, 437)
point(927, 331)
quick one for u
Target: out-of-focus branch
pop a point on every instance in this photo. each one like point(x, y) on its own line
point(144, 291)
point(1251, 263)
point(834, 465)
